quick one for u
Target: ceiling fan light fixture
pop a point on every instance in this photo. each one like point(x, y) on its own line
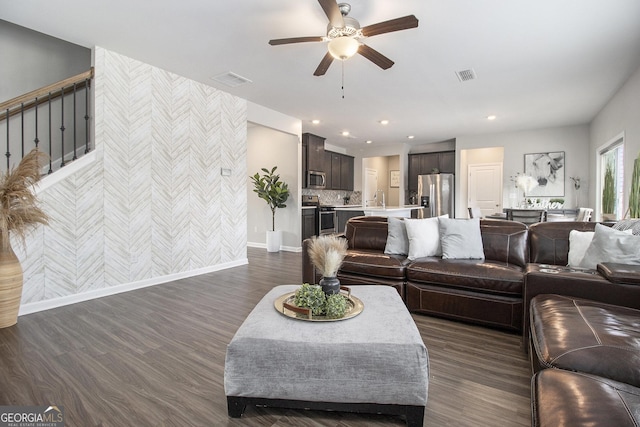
point(343, 47)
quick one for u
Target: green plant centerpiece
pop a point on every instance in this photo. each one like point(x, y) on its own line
point(311, 296)
point(332, 306)
point(270, 189)
point(608, 193)
point(327, 253)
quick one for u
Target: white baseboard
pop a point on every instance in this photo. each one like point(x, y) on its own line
point(282, 248)
point(35, 307)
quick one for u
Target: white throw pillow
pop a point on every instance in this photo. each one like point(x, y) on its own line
point(424, 237)
point(579, 241)
point(397, 239)
point(461, 239)
point(610, 245)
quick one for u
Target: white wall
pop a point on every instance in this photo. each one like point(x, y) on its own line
point(151, 205)
point(267, 148)
point(621, 114)
point(31, 60)
point(573, 140)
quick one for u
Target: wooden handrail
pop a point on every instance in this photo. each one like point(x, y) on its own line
point(30, 97)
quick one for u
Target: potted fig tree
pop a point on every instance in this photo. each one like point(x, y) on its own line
point(275, 192)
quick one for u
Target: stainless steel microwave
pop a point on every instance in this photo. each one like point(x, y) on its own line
point(316, 179)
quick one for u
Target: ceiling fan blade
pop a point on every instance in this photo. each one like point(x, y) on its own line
point(276, 42)
point(376, 57)
point(406, 22)
point(332, 11)
point(324, 65)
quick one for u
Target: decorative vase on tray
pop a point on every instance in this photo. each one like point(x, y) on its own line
point(327, 253)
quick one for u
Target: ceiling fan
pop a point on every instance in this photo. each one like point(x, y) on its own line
point(344, 35)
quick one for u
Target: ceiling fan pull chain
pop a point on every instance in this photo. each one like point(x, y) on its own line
point(342, 79)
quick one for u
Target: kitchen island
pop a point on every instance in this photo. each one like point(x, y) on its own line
point(403, 211)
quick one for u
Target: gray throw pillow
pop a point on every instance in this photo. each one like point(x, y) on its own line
point(610, 245)
point(461, 238)
point(397, 239)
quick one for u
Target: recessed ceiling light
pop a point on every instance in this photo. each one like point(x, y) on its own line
point(345, 133)
point(410, 137)
point(384, 122)
point(315, 121)
point(369, 141)
point(491, 117)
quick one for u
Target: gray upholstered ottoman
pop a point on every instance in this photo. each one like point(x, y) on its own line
point(375, 362)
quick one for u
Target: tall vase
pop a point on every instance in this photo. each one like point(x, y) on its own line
point(10, 283)
point(330, 285)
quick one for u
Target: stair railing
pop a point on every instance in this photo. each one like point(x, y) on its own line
point(23, 112)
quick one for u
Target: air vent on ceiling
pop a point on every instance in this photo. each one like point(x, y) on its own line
point(231, 79)
point(466, 75)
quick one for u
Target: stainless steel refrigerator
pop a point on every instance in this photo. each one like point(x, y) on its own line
point(435, 194)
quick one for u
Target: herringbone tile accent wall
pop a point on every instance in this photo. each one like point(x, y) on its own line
point(154, 203)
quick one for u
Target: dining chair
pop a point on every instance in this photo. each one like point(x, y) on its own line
point(527, 216)
point(475, 213)
point(584, 214)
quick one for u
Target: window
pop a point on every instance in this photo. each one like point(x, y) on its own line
point(611, 179)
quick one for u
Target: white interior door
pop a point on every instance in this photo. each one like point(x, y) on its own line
point(370, 187)
point(485, 187)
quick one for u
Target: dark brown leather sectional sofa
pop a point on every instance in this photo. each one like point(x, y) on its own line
point(520, 263)
point(585, 349)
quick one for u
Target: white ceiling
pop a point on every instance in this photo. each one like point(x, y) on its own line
point(539, 63)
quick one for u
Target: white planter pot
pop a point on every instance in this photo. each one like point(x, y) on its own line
point(274, 240)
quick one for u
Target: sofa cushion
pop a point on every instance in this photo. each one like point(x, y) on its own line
point(579, 241)
point(424, 237)
point(549, 241)
point(586, 336)
point(374, 263)
point(505, 241)
point(461, 238)
point(367, 233)
point(563, 398)
point(610, 245)
point(397, 239)
point(487, 276)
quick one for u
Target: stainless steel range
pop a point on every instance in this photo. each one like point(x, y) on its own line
point(326, 218)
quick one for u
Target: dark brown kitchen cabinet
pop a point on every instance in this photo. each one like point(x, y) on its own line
point(309, 223)
point(339, 170)
point(346, 173)
point(344, 216)
point(426, 163)
point(315, 152)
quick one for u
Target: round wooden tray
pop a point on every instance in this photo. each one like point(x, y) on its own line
point(285, 304)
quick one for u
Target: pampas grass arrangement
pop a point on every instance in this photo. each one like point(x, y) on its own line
point(19, 210)
point(327, 253)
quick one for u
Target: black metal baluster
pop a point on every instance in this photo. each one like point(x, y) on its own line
point(86, 114)
point(22, 127)
point(36, 140)
point(50, 139)
point(8, 153)
point(74, 122)
point(62, 126)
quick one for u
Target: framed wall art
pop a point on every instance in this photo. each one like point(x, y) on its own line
point(394, 179)
point(548, 170)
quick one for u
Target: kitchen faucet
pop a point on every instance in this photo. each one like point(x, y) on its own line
point(375, 197)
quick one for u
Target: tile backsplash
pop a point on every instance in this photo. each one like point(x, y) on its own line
point(335, 197)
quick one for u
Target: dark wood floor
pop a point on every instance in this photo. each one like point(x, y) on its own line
point(155, 357)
